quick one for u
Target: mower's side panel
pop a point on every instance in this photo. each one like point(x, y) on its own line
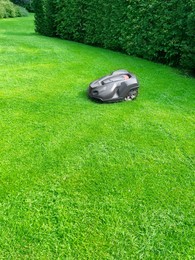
point(126, 86)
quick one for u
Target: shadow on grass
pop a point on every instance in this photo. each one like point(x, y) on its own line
point(84, 96)
point(20, 33)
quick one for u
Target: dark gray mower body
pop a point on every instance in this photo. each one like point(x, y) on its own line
point(119, 85)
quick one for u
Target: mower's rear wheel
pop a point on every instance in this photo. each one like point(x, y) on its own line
point(132, 95)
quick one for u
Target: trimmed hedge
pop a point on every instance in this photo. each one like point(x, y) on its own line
point(44, 17)
point(161, 31)
point(10, 10)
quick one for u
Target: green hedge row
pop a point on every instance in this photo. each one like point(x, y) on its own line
point(162, 31)
point(45, 13)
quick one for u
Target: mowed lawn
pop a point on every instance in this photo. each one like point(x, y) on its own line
point(84, 180)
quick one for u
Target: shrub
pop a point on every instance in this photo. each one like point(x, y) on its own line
point(8, 9)
point(22, 11)
point(28, 4)
point(161, 31)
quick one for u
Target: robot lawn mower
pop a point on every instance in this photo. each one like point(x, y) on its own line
point(119, 85)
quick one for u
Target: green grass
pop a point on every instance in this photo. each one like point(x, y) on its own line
point(83, 180)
